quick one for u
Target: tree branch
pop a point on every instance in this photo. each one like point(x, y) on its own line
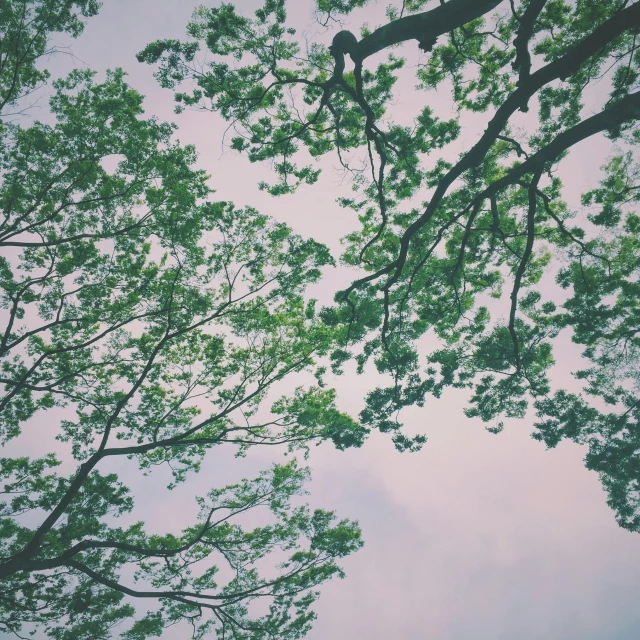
point(424, 27)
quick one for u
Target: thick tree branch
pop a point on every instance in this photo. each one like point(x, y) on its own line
point(522, 60)
point(562, 67)
point(424, 27)
point(625, 110)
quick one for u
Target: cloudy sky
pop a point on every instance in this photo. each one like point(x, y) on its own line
point(477, 536)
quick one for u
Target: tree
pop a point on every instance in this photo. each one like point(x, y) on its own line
point(455, 248)
point(26, 27)
point(159, 320)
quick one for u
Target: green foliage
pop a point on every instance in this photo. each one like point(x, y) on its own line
point(86, 600)
point(468, 267)
point(160, 320)
point(315, 409)
point(25, 26)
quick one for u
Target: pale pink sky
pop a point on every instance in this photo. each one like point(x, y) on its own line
point(478, 536)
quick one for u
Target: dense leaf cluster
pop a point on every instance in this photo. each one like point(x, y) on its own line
point(26, 27)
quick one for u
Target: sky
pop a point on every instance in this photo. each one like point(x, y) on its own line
point(480, 536)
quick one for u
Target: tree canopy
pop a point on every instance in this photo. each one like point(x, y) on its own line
point(26, 28)
point(468, 244)
point(156, 320)
point(155, 323)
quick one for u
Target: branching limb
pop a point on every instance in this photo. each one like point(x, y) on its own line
point(517, 282)
point(563, 66)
